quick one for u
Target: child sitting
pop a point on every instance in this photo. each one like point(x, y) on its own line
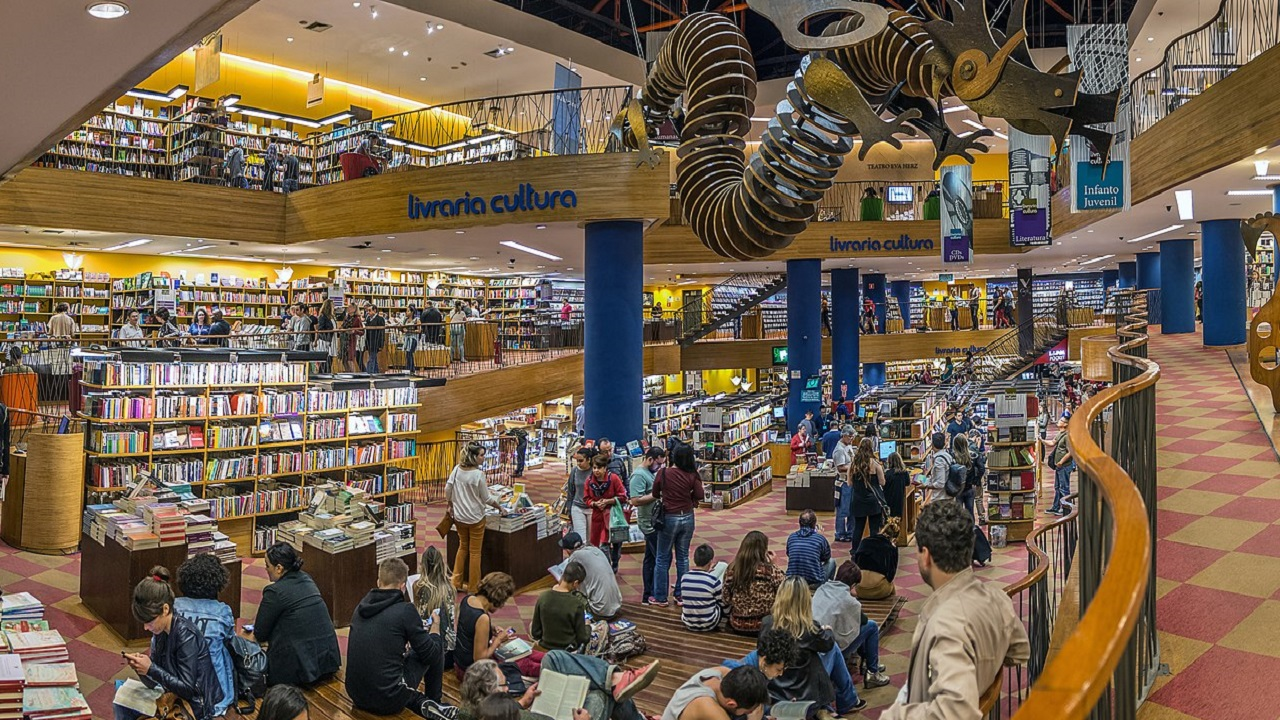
point(559, 617)
point(701, 589)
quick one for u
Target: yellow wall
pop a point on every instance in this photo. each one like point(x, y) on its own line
point(719, 381)
point(672, 296)
point(988, 166)
point(120, 265)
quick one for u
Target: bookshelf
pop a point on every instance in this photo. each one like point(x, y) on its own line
point(668, 414)
point(1261, 271)
point(513, 304)
point(1013, 469)
point(27, 302)
point(908, 416)
point(250, 433)
point(732, 443)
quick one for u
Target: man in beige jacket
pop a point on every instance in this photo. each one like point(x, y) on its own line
point(967, 630)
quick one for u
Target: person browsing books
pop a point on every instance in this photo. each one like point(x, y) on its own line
point(603, 492)
point(294, 622)
point(201, 579)
point(559, 617)
point(179, 660)
point(382, 676)
point(467, 492)
point(604, 598)
point(679, 489)
point(480, 638)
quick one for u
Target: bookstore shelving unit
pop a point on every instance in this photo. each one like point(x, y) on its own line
point(1013, 469)
point(668, 414)
point(1261, 271)
point(908, 416)
point(513, 305)
point(249, 434)
point(732, 441)
point(27, 302)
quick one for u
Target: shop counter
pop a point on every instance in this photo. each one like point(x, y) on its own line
point(811, 490)
point(521, 554)
point(109, 570)
point(752, 327)
point(344, 578)
point(479, 340)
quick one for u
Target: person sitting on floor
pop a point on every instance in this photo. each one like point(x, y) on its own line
point(284, 702)
point(559, 616)
point(604, 597)
point(479, 637)
point(201, 579)
point(818, 673)
point(836, 606)
point(702, 591)
point(382, 677)
point(877, 558)
point(751, 583)
point(609, 694)
point(809, 553)
point(719, 694)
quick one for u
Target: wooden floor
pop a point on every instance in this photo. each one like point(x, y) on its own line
point(681, 653)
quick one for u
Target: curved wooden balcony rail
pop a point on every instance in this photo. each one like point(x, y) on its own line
point(1112, 652)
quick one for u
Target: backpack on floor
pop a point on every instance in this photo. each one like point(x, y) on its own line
point(616, 641)
point(250, 663)
point(981, 546)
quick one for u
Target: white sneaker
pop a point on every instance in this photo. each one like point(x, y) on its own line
point(875, 680)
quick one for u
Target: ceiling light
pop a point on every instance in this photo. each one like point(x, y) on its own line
point(258, 113)
point(373, 11)
point(532, 251)
point(384, 250)
point(439, 26)
point(391, 49)
point(391, 237)
point(459, 232)
point(405, 53)
point(1151, 39)
point(336, 117)
point(1259, 151)
point(1260, 167)
point(1137, 59)
point(1247, 193)
point(1268, 178)
point(177, 92)
point(1100, 258)
point(539, 226)
point(1184, 204)
point(473, 258)
point(422, 79)
point(229, 101)
point(957, 108)
point(1150, 235)
point(1206, 68)
point(130, 244)
point(355, 4)
point(107, 10)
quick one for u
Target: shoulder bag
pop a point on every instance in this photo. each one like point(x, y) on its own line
point(658, 513)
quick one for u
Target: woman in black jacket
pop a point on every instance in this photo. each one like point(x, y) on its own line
point(179, 661)
point(807, 678)
point(294, 620)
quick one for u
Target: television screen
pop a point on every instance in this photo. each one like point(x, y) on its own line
point(887, 448)
point(900, 193)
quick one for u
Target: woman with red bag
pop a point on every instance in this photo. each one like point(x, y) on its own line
point(604, 490)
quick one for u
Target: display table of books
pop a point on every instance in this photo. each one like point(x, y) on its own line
point(342, 537)
point(521, 543)
point(37, 679)
point(120, 543)
point(811, 488)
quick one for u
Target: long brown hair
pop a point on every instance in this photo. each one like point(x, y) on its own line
point(861, 467)
point(960, 450)
point(752, 553)
point(894, 463)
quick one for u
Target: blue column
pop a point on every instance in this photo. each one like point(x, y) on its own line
point(1128, 275)
point(901, 290)
point(613, 352)
point(873, 288)
point(804, 335)
point(1149, 271)
point(1109, 279)
point(1222, 253)
point(1177, 286)
point(873, 373)
point(844, 335)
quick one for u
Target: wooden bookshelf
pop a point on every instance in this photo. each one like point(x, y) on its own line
point(733, 441)
point(1013, 471)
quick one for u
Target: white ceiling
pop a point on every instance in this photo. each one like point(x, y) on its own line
point(61, 64)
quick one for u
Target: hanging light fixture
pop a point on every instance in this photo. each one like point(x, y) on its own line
point(74, 260)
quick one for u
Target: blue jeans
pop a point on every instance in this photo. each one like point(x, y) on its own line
point(843, 505)
point(1062, 484)
point(650, 560)
point(457, 341)
point(599, 700)
point(675, 535)
point(124, 713)
point(410, 347)
point(866, 646)
point(371, 361)
point(832, 661)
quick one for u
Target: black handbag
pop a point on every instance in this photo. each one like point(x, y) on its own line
point(658, 513)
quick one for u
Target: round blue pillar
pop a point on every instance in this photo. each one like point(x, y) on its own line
point(901, 291)
point(873, 374)
point(1109, 279)
point(844, 332)
point(1149, 271)
point(1128, 275)
point(804, 336)
point(873, 288)
point(1222, 259)
point(613, 337)
point(1177, 286)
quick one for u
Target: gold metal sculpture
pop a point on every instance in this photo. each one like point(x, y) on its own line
point(1264, 362)
point(873, 75)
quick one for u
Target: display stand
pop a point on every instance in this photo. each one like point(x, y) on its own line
point(521, 554)
point(345, 578)
point(479, 340)
point(45, 488)
point(732, 442)
point(109, 570)
point(1013, 468)
point(811, 490)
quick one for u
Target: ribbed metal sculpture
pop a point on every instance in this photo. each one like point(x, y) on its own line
point(872, 63)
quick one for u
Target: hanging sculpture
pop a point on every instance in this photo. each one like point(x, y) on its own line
point(873, 63)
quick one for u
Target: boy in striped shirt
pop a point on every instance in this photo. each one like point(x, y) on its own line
point(700, 589)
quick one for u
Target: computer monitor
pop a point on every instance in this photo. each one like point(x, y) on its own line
point(779, 412)
point(900, 194)
point(887, 448)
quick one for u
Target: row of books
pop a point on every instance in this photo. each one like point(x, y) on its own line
point(282, 499)
point(998, 481)
point(120, 405)
point(1012, 507)
point(212, 373)
point(721, 473)
point(400, 448)
point(1010, 458)
point(118, 441)
point(375, 484)
point(403, 422)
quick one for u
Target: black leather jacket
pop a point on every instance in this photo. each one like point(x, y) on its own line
point(806, 679)
point(180, 664)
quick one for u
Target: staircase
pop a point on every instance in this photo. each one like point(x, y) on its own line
point(1003, 358)
point(724, 303)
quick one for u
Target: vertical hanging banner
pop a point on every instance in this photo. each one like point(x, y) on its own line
point(315, 90)
point(957, 213)
point(1100, 53)
point(566, 112)
point(208, 62)
point(1029, 158)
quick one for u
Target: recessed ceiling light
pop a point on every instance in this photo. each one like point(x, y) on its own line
point(459, 232)
point(108, 10)
point(473, 257)
point(384, 250)
point(423, 78)
point(391, 237)
point(1151, 39)
point(405, 53)
point(355, 4)
point(373, 11)
point(391, 49)
point(288, 39)
point(439, 26)
point(434, 254)
point(568, 268)
point(1244, 193)
point(1137, 59)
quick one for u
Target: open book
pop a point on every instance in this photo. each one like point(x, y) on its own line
point(559, 695)
point(137, 697)
point(719, 568)
point(513, 650)
point(794, 710)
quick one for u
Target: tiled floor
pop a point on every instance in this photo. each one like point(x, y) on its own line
point(1218, 545)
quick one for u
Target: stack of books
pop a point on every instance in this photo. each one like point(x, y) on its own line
point(199, 533)
point(49, 674)
point(167, 523)
point(394, 540)
point(223, 547)
point(54, 703)
point(20, 607)
point(361, 533)
point(11, 679)
point(38, 646)
point(292, 532)
point(330, 540)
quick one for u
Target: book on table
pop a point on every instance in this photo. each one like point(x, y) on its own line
point(513, 650)
point(58, 703)
point(559, 695)
point(50, 674)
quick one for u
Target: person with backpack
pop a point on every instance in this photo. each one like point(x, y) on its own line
point(1063, 464)
point(866, 483)
point(940, 462)
point(974, 470)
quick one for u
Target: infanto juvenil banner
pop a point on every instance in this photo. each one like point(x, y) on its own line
point(957, 213)
point(1100, 53)
point(1028, 189)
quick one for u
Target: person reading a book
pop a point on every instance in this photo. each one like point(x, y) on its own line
point(179, 660)
point(702, 591)
point(284, 702)
point(604, 597)
point(382, 676)
point(751, 583)
point(202, 579)
point(480, 638)
point(836, 606)
point(967, 631)
point(603, 492)
point(720, 694)
point(294, 621)
point(559, 616)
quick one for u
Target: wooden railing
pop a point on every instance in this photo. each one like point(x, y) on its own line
point(1105, 668)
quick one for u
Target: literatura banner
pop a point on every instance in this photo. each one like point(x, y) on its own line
point(957, 213)
point(1100, 54)
point(1028, 189)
